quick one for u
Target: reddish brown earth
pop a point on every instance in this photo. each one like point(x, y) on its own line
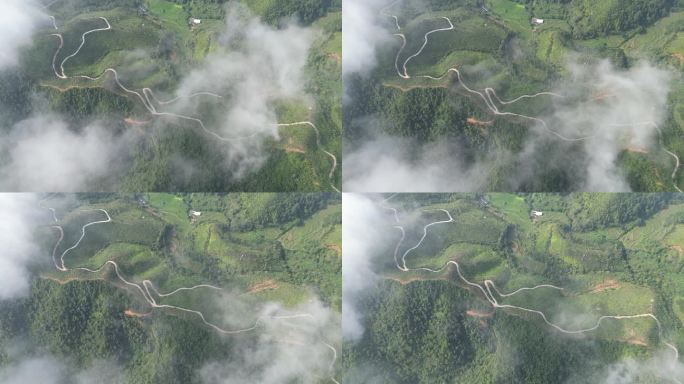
point(258, 287)
point(474, 121)
point(606, 285)
point(132, 313)
point(474, 313)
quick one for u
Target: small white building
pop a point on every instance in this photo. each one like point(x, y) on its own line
point(536, 213)
point(194, 21)
point(195, 213)
point(536, 21)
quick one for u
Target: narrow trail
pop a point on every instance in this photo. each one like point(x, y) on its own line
point(150, 294)
point(405, 75)
point(147, 93)
point(331, 367)
point(491, 99)
point(491, 292)
point(151, 102)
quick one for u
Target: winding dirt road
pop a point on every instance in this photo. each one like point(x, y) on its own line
point(488, 287)
point(150, 294)
point(318, 143)
point(489, 94)
point(147, 96)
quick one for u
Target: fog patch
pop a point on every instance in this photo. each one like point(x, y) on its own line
point(387, 164)
point(613, 110)
point(44, 370)
point(21, 214)
point(19, 19)
point(363, 32)
point(286, 350)
point(256, 66)
point(47, 369)
point(629, 370)
point(44, 154)
point(365, 236)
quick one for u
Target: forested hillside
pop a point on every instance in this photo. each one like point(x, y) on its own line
point(458, 305)
point(173, 288)
point(141, 89)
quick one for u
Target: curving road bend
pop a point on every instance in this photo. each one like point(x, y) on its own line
point(383, 11)
point(83, 37)
point(488, 288)
point(54, 22)
point(148, 291)
point(331, 367)
point(489, 96)
point(318, 144)
point(145, 287)
point(673, 176)
point(147, 97)
point(488, 92)
point(405, 75)
point(143, 97)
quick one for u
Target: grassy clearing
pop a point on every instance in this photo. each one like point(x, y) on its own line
point(513, 208)
point(656, 229)
point(658, 38)
point(676, 236)
point(458, 251)
point(287, 294)
point(551, 48)
point(514, 15)
point(577, 311)
point(172, 15)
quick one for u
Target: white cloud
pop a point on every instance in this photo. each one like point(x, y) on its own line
point(43, 370)
point(19, 212)
point(615, 113)
point(259, 66)
point(631, 371)
point(383, 165)
point(46, 369)
point(364, 237)
point(362, 34)
point(286, 350)
point(44, 154)
point(18, 21)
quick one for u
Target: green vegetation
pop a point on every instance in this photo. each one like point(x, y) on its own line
point(613, 254)
point(260, 249)
point(152, 45)
point(497, 46)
